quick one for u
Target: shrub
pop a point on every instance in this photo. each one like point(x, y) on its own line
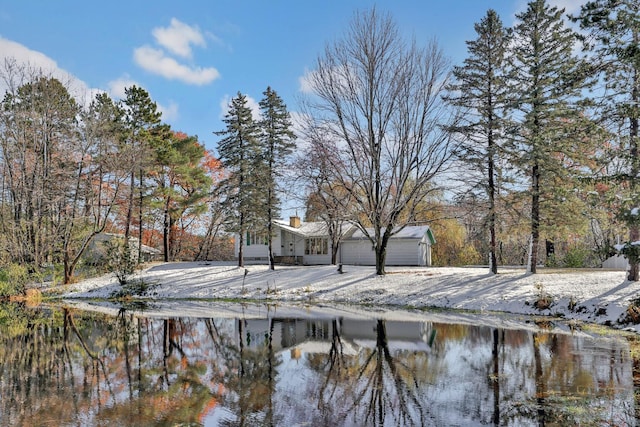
point(576, 257)
point(120, 261)
point(13, 280)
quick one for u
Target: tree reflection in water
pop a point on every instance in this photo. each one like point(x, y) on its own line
point(384, 391)
point(70, 367)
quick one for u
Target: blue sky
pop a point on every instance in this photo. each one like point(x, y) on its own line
point(193, 56)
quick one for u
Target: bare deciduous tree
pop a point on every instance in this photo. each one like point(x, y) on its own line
point(378, 99)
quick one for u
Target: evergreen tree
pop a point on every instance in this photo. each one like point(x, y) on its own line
point(276, 139)
point(240, 152)
point(182, 183)
point(614, 37)
point(480, 88)
point(546, 84)
point(142, 118)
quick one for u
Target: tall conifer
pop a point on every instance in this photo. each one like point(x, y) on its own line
point(142, 119)
point(479, 88)
point(614, 37)
point(276, 139)
point(546, 84)
point(239, 150)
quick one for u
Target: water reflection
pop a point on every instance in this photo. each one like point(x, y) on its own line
point(70, 367)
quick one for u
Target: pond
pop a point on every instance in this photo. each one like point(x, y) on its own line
point(254, 365)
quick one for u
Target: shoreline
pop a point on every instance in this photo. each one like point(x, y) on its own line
point(593, 296)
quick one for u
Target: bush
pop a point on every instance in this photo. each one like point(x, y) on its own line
point(576, 257)
point(120, 261)
point(13, 280)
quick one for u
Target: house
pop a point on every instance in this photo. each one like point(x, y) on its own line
point(96, 252)
point(308, 243)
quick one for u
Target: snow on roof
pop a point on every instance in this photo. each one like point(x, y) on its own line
point(305, 229)
point(409, 232)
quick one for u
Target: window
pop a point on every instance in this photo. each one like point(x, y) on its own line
point(254, 238)
point(316, 246)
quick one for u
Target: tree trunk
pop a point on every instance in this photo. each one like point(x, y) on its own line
point(535, 218)
point(165, 230)
point(634, 230)
point(272, 263)
point(241, 242)
point(493, 263)
point(381, 255)
point(139, 255)
point(634, 267)
point(127, 225)
point(334, 252)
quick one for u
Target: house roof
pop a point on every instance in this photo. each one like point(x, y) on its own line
point(408, 232)
point(133, 242)
point(306, 229)
point(317, 229)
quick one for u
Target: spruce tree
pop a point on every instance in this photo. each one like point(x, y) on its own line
point(239, 150)
point(613, 36)
point(276, 139)
point(479, 88)
point(546, 80)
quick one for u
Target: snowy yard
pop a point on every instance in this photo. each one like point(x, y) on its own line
point(591, 295)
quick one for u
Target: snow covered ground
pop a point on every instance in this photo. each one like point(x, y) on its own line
point(595, 296)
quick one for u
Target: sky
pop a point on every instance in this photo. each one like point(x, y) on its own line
point(193, 57)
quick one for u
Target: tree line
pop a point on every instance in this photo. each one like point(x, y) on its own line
point(533, 139)
point(70, 172)
point(551, 131)
point(537, 141)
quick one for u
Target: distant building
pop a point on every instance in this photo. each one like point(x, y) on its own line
point(97, 251)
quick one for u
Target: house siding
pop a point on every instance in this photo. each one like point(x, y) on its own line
point(403, 252)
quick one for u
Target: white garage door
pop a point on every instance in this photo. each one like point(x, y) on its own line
point(405, 252)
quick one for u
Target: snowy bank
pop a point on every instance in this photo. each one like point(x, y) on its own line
point(595, 296)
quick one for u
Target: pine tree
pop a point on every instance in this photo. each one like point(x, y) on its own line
point(546, 83)
point(277, 144)
point(480, 89)
point(142, 118)
point(239, 150)
point(182, 183)
point(614, 30)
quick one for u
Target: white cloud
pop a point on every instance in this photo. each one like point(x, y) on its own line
point(117, 87)
point(569, 6)
point(304, 85)
point(117, 91)
point(251, 103)
point(37, 63)
point(155, 61)
point(169, 112)
point(178, 38)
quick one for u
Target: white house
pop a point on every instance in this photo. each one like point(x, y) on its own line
point(308, 243)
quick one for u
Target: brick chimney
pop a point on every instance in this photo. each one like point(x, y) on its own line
point(294, 221)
